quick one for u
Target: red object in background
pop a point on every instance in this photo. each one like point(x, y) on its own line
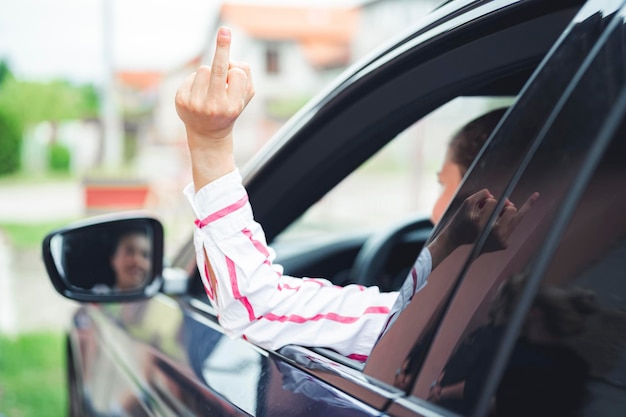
point(101, 197)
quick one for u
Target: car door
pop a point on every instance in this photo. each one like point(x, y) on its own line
point(520, 335)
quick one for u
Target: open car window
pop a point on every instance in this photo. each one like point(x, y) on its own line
point(398, 181)
point(417, 362)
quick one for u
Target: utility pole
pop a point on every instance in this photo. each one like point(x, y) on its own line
point(110, 116)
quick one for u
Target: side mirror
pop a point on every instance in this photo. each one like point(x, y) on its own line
point(110, 260)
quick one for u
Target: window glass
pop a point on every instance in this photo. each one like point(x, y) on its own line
point(397, 359)
point(570, 356)
point(456, 365)
point(399, 180)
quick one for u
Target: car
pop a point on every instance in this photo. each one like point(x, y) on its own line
point(536, 328)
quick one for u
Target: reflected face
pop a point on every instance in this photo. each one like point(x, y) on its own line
point(449, 178)
point(131, 261)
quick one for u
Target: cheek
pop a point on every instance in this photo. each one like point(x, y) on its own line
point(117, 262)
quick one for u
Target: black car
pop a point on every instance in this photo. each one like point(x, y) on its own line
point(536, 329)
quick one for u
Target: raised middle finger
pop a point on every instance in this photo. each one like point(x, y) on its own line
point(219, 68)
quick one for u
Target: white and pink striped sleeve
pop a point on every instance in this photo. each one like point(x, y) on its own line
point(256, 301)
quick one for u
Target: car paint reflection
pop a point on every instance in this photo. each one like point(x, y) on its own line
point(164, 358)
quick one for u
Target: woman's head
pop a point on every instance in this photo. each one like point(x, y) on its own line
point(462, 150)
point(131, 259)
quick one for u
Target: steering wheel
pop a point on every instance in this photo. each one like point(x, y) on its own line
point(369, 265)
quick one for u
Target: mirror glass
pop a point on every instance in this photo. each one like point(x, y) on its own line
point(113, 257)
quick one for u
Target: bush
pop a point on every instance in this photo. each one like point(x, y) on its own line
point(59, 158)
point(10, 144)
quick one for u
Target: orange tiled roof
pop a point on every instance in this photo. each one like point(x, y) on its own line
point(325, 33)
point(140, 80)
point(302, 23)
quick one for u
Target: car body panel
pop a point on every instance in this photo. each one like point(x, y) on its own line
point(168, 360)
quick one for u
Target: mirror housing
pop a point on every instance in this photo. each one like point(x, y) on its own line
point(106, 259)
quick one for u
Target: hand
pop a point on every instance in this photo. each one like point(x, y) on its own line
point(211, 99)
point(506, 223)
point(209, 102)
point(471, 218)
point(434, 394)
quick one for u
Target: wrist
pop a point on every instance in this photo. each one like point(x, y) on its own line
point(440, 248)
point(210, 158)
point(218, 141)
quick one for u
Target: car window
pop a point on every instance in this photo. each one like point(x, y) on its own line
point(456, 364)
point(570, 355)
point(398, 358)
point(398, 181)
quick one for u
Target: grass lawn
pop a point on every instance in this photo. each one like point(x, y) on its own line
point(29, 235)
point(32, 375)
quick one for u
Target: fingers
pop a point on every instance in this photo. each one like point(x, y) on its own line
point(237, 84)
point(512, 216)
point(220, 65)
point(200, 85)
point(184, 91)
point(480, 197)
point(506, 215)
point(249, 84)
point(210, 100)
point(528, 204)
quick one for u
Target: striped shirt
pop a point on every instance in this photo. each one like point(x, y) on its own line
point(256, 301)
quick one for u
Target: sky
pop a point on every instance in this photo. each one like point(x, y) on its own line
point(47, 39)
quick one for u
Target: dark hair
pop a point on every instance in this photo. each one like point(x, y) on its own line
point(467, 142)
point(122, 233)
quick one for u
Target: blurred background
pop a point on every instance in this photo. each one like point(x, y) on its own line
point(88, 127)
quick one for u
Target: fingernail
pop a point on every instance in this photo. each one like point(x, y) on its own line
point(224, 31)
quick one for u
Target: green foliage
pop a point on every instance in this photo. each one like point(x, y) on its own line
point(33, 102)
point(30, 235)
point(10, 143)
point(59, 157)
point(284, 108)
point(5, 73)
point(24, 103)
point(32, 375)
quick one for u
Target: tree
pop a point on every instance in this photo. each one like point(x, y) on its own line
point(23, 103)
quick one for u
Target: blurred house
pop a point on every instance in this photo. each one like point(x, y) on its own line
point(382, 20)
point(137, 93)
point(295, 52)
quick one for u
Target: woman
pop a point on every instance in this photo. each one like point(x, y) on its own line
point(130, 260)
point(462, 149)
point(254, 300)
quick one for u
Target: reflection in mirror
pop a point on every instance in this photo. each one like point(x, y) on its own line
point(130, 259)
point(106, 258)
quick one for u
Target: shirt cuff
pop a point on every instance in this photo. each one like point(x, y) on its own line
point(221, 207)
